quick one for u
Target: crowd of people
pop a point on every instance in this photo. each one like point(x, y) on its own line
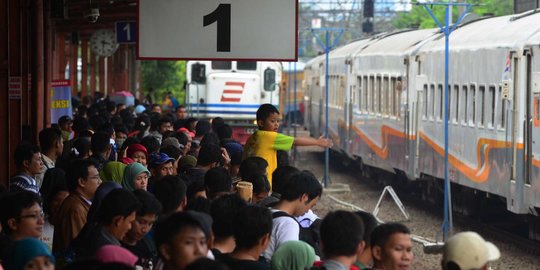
point(135, 188)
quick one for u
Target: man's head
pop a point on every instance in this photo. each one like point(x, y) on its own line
point(82, 177)
point(222, 210)
point(369, 225)
point(101, 144)
point(183, 238)
point(224, 132)
point(117, 212)
point(28, 159)
point(181, 112)
point(165, 124)
point(202, 128)
point(304, 189)
point(341, 234)
point(217, 182)
point(171, 193)
point(280, 176)
point(391, 246)
point(50, 141)
point(268, 117)
point(147, 214)
point(21, 215)
point(156, 108)
point(251, 167)
point(209, 155)
point(161, 165)
point(468, 250)
point(252, 228)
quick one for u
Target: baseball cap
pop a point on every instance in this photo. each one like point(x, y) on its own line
point(171, 141)
point(185, 130)
point(469, 250)
point(159, 159)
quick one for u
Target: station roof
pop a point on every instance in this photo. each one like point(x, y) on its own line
point(74, 15)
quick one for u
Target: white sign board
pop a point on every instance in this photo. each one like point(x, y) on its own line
point(218, 29)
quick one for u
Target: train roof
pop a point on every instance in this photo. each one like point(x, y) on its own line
point(398, 43)
point(349, 49)
point(514, 31)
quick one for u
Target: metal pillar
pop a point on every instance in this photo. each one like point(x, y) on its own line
point(447, 29)
point(327, 47)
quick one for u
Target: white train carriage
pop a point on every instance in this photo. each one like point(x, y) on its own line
point(233, 90)
point(389, 98)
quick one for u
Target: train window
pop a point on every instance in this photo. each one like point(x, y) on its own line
point(481, 105)
point(465, 105)
point(432, 104)
point(221, 64)
point(397, 88)
point(372, 93)
point(425, 101)
point(492, 109)
point(246, 65)
point(365, 92)
point(456, 103)
point(450, 111)
point(379, 95)
point(472, 95)
point(360, 97)
point(440, 97)
point(385, 97)
point(502, 111)
point(391, 98)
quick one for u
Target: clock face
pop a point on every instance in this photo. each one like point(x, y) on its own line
point(103, 42)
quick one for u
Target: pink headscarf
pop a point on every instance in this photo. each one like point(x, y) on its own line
point(115, 254)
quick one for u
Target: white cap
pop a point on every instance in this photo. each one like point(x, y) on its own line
point(469, 251)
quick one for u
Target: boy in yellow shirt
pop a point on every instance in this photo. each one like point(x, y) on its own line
point(266, 141)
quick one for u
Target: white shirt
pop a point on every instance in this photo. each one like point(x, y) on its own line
point(283, 229)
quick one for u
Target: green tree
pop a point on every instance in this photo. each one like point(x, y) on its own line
point(418, 17)
point(163, 77)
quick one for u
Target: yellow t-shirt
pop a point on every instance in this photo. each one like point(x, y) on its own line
point(264, 144)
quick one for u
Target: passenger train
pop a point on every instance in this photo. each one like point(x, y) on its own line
point(232, 90)
point(386, 104)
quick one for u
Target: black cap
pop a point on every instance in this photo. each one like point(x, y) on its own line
point(64, 120)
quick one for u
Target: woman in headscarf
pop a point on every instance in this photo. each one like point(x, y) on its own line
point(136, 177)
point(113, 171)
point(138, 153)
point(293, 255)
point(30, 253)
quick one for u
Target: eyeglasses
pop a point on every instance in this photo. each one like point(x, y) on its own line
point(36, 216)
point(97, 178)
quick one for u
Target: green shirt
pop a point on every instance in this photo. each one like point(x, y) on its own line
point(264, 144)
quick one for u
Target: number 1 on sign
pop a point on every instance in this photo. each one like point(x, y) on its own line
point(128, 32)
point(221, 15)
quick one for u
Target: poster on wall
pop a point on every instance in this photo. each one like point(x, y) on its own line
point(60, 100)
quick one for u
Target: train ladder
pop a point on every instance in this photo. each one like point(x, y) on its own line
point(390, 190)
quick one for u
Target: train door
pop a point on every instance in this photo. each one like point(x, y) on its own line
point(351, 88)
point(519, 125)
point(528, 132)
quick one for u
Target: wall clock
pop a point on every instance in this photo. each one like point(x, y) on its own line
point(103, 42)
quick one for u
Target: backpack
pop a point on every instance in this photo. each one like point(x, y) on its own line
point(310, 235)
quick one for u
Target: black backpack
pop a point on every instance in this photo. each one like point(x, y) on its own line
point(310, 235)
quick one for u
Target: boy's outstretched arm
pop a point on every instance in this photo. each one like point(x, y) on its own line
point(308, 141)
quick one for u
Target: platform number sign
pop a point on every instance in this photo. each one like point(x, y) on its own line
point(221, 16)
point(217, 29)
point(126, 32)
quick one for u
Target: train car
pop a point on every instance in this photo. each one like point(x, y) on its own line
point(389, 94)
point(233, 90)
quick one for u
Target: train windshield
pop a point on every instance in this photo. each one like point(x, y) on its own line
point(246, 65)
point(221, 64)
